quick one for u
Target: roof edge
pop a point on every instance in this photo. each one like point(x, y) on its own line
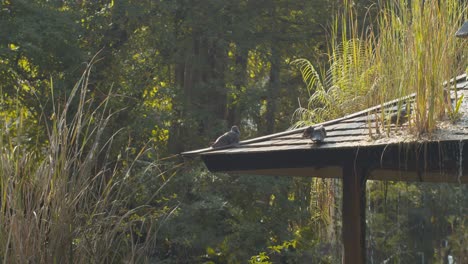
point(330, 122)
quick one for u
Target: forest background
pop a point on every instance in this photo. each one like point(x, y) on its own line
point(99, 97)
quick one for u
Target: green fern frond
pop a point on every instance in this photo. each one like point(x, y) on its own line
point(309, 74)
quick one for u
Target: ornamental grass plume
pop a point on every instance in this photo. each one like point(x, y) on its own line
point(66, 200)
point(404, 48)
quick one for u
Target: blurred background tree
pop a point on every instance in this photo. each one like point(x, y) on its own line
point(178, 73)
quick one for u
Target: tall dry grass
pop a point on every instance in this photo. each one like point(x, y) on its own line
point(68, 201)
point(409, 46)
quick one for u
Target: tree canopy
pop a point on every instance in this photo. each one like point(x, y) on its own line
point(172, 75)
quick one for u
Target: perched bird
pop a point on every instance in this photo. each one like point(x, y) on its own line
point(229, 138)
point(463, 31)
point(316, 134)
point(399, 117)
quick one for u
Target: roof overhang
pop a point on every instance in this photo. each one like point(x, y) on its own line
point(417, 161)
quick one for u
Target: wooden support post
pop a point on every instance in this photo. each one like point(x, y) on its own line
point(353, 213)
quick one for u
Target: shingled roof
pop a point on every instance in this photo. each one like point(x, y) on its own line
point(357, 129)
point(352, 133)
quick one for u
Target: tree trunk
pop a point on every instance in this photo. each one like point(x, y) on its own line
point(240, 80)
point(273, 89)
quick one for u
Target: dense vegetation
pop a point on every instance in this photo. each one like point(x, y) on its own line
point(360, 75)
point(98, 97)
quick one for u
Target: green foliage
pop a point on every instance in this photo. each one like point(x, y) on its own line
point(84, 178)
point(67, 200)
point(261, 258)
point(283, 249)
point(455, 114)
point(343, 89)
point(404, 219)
point(177, 76)
point(458, 239)
point(37, 42)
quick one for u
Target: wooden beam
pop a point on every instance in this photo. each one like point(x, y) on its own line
point(353, 212)
point(293, 158)
point(414, 176)
point(325, 172)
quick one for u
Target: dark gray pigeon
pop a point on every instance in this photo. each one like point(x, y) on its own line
point(399, 117)
point(463, 31)
point(229, 138)
point(316, 134)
